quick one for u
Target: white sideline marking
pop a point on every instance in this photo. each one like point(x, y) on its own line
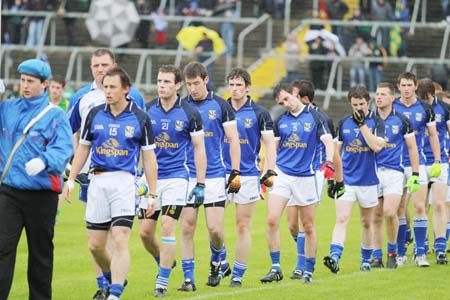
point(270, 286)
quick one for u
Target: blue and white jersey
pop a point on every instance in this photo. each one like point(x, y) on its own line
point(358, 160)
point(298, 138)
point(173, 130)
point(320, 156)
point(216, 113)
point(252, 122)
point(91, 96)
point(442, 118)
point(397, 128)
point(116, 141)
point(420, 114)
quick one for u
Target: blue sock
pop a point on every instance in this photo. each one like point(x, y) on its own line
point(223, 258)
point(377, 254)
point(309, 265)
point(215, 254)
point(275, 257)
point(107, 275)
point(157, 259)
point(420, 231)
point(336, 251)
point(392, 248)
point(102, 283)
point(401, 237)
point(366, 253)
point(116, 289)
point(163, 277)
point(439, 245)
point(408, 233)
point(238, 271)
point(188, 266)
point(426, 244)
point(300, 251)
point(447, 233)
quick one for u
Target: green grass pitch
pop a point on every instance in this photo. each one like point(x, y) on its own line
point(74, 279)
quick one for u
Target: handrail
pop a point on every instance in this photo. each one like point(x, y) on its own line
point(287, 16)
point(246, 31)
point(414, 16)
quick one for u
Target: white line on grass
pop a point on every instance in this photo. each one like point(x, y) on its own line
point(271, 286)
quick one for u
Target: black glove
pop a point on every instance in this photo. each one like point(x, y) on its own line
point(335, 189)
point(330, 190)
point(267, 179)
point(234, 182)
point(359, 117)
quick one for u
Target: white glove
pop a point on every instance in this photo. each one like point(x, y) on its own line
point(34, 166)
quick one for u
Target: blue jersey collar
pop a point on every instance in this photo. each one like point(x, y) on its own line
point(127, 108)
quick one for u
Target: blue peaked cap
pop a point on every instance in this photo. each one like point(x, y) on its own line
point(36, 68)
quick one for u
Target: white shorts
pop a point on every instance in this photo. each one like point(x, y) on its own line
point(391, 182)
point(249, 191)
point(110, 194)
point(171, 191)
point(214, 190)
point(301, 191)
point(423, 175)
point(366, 195)
point(444, 174)
point(320, 185)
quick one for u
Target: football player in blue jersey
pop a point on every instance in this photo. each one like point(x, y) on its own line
point(218, 122)
point(359, 136)
point(115, 133)
point(80, 104)
point(175, 125)
point(297, 134)
point(438, 189)
point(304, 90)
point(398, 135)
point(422, 118)
point(255, 126)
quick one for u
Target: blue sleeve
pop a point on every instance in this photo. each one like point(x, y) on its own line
point(227, 111)
point(379, 129)
point(60, 146)
point(147, 138)
point(77, 96)
point(264, 120)
point(339, 136)
point(75, 117)
point(195, 121)
point(86, 134)
point(276, 131)
point(136, 96)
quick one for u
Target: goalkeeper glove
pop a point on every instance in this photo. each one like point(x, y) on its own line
point(198, 192)
point(234, 182)
point(435, 169)
point(268, 177)
point(413, 182)
point(328, 169)
point(358, 117)
point(335, 189)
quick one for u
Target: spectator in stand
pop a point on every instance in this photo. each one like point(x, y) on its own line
point(143, 7)
point(376, 69)
point(15, 23)
point(68, 6)
point(318, 67)
point(161, 26)
point(227, 9)
point(358, 50)
point(292, 60)
point(316, 16)
point(204, 50)
point(336, 10)
point(381, 10)
point(12, 93)
point(439, 74)
point(36, 24)
point(402, 15)
point(358, 30)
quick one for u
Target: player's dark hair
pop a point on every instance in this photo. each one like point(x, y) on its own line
point(194, 69)
point(387, 85)
point(123, 75)
point(425, 88)
point(358, 91)
point(240, 73)
point(104, 51)
point(281, 87)
point(59, 79)
point(172, 69)
point(407, 76)
point(305, 88)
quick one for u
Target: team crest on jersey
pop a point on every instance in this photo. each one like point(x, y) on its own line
point(212, 114)
point(418, 117)
point(248, 123)
point(438, 117)
point(179, 125)
point(129, 131)
point(307, 127)
point(395, 129)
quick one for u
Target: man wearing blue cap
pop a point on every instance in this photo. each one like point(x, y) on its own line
point(36, 143)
